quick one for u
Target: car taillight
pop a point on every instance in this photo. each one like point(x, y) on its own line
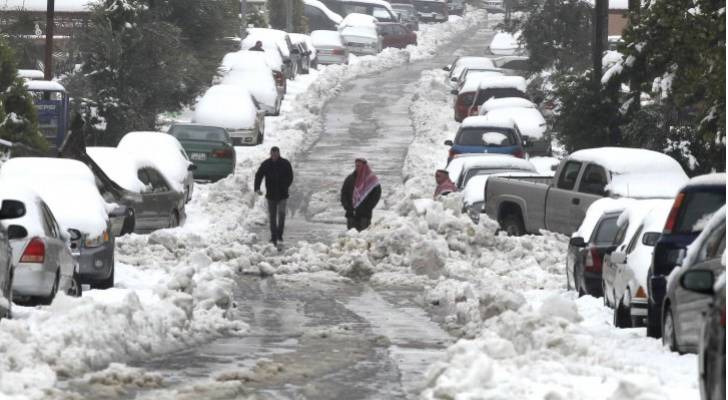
point(452, 153)
point(672, 218)
point(337, 52)
point(640, 294)
point(223, 153)
point(280, 79)
point(593, 261)
point(474, 110)
point(34, 252)
point(519, 153)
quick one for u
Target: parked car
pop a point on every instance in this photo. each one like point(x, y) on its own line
point(497, 87)
point(461, 63)
point(210, 148)
point(9, 209)
point(42, 260)
point(466, 93)
point(396, 35)
point(455, 7)
point(69, 189)
point(246, 60)
point(527, 117)
point(590, 244)
point(431, 10)
point(473, 73)
point(527, 205)
point(466, 166)
point(329, 47)
point(711, 351)
point(624, 279)
point(407, 15)
point(683, 308)
point(232, 108)
point(258, 81)
point(360, 34)
point(157, 204)
point(474, 190)
point(482, 135)
point(307, 50)
point(275, 40)
point(320, 17)
point(379, 9)
point(695, 202)
point(505, 44)
point(513, 65)
point(166, 154)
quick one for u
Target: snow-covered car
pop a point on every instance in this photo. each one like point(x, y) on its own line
point(473, 73)
point(166, 154)
point(379, 9)
point(505, 44)
point(259, 83)
point(465, 93)
point(513, 65)
point(158, 204)
point(329, 47)
point(246, 60)
point(307, 60)
point(466, 166)
point(232, 108)
point(319, 16)
point(528, 119)
point(69, 189)
point(474, 192)
point(274, 40)
point(42, 261)
point(360, 34)
point(497, 87)
point(690, 286)
point(431, 10)
point(482, 135)
point(460, 63)
point(397, 35)
point(625, 270)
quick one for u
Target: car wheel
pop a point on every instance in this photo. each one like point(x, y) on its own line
point(513, 225)
point(129, 223)
point(108, 282)
point(75, 289)
point(49, 299)
point(621, 315)
point(173, 219)
point(668, 331)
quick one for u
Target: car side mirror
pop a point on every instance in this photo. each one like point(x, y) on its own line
point(192, 167)
point(446, 68)
point(577, 242)
point(454, 92)
point(650, 238)
point(12, 209)
point(448, 143)
point(74, 234)
point(17, 232)
point(698, 280)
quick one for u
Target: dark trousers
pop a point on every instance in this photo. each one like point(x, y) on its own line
point(358, 223)
point(277, 218)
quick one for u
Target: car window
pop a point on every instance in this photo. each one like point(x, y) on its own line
point(191, 132)
point(50, 227)
point(567, 180)
point(606, 231)
point(714, 245)
point(621, 233)
point(399, 30)
point(497, 93)
point(158, 182)
point(144, 177)
point(636, 238)
point(593, 180)
point(697, 209)
point(385, 30)
point(488, 137)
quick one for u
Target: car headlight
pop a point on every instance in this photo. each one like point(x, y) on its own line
point(98, 240)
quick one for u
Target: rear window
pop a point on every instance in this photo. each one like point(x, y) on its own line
point(498, 93)
point(489, 137)
point(190, 132)
point(606, 231)
point(466, 98)
point(697, 209)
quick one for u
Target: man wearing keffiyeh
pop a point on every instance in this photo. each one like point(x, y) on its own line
point(444, 184)
point(359, 195)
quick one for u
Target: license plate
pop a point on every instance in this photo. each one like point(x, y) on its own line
point(198, 156)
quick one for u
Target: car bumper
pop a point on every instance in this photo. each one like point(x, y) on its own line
point(214, 170)
point(362, 51)
point(244, 137)
point(331, 59)
point(32, 280)
point(95, 263)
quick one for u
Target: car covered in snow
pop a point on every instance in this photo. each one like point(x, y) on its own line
point(274, 40)
point(9, 209)
point(497, 87)
point(466, 166)
point(397, 35)
point(694, 205)
point(320, 17)
point(246, 60)
point(432, 10)
point(164, 152)
point(329, 47)
point(505, 43)
point(157, 203)
point(528, 205)
point(462, 62)
point(472, 73)
point(690, 286)
point(360, 34)
point(259, 82)
point(233, 108)
point(210, 148)
point(483, 135)
point(527, 117)
point(307, 50)
point(69, 189)
point(379, 9)
point(42, 261)
point(624, 275)
point(466, 90)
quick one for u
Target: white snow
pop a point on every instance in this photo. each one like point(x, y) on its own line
point(358, 20)
point(529, 120)
point(350, 33)
point(545, 165)
point(515, 82)
point(714, 179)
point(245, 60)
point(226, 106)
point(504, 43)
point(480, 121)
point(596, 210)
point(271, 38)
point(301, 38)
point(490, 161)
point(506, 102)
point(162, 151)
point(470, 62)
point(322, 38)
point(31, 221)
point(120, 166)
point(258, 82)
point(52, 86)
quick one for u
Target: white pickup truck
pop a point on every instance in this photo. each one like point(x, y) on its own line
point(528, 204)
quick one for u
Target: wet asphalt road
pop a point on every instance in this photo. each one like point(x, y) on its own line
point(313, 338)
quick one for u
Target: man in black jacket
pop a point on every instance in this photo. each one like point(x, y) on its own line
point(360, 193)
point(278, 176)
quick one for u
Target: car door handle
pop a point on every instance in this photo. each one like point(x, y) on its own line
point(575, 201)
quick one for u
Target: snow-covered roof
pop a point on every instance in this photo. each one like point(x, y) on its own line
point(226, 106)
point(272, 39)
point(358, 19)
point(529, 120)
point(504, 43)
point(491, 161)
point(122, 167)
point(472, 80)
point(161, 150)
point(507, 102)
point(359, 31)
point(471, 62)
point(481, 121)
point(322, 38)
point(474, 190)
point(716, 179)
point(246, 60)
point(321, 6)
point(492, 82)
point(258, 82)
point(637, 173)
point(32, 221)
point(31, 74)
point(52, 86)
point(41, 5)
point(53, 179)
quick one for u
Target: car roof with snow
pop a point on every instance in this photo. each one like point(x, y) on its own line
point(471, 62)
point(595, 212)
point(272, 39)
point(247, 60)
point(326, 38)
point(714, 179)
point(360, 31)
point(32, 220)
point(358, 19)
point(530, 121)
point(161, 150)
point(122, 167)
point(507, 102)
point(652, 219)
point(52, 86)
point(472, 80)
point(321, 6)
point(497, 82)
point(259, 83)
point(489, 161)
point(227, 106)
point(474, 190)
point(480, 121)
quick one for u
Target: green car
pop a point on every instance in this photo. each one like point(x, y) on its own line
point(208, 147)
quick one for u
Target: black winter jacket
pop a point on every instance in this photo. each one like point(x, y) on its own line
point(278, 178)
point(366, 206)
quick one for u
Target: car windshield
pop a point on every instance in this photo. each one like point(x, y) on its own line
point(497, 93)
point(697, 209)
point(484, 171)
point(489, 137)
point(606, 231)
point(192, 132)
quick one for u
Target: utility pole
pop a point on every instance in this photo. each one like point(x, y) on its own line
point(601, 15)
point(243, 19)
point(48, 67)
point(289, 15)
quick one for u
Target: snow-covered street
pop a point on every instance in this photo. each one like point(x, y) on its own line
point(424, 304)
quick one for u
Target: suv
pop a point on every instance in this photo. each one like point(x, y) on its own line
point(693, 206)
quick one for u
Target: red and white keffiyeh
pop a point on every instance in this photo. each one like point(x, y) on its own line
point(365, 182)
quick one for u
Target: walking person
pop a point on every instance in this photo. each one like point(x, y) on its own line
point(359, 195)
point(257, 47)
point(278, 175)
point(445, 185)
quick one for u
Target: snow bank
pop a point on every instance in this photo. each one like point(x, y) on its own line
point(161, 150)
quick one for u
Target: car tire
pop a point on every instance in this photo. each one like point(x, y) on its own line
point(76, 289)
point(129, 223)
point(668, 331)
point(622, 317)
point(512, 224)
point(108, 282)
point(653, 323)
point(47, 300)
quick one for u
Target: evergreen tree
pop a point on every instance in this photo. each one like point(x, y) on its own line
point(277, 15)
